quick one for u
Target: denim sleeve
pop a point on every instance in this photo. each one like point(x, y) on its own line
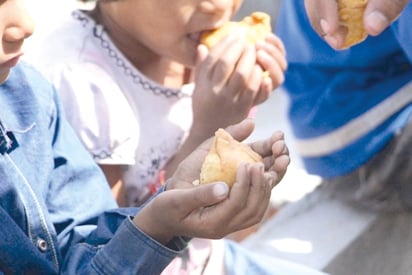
point(129, 251)
point(117, 246)
point(93, 235)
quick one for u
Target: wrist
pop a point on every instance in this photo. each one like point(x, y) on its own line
point(200, 132)
point(151, 227)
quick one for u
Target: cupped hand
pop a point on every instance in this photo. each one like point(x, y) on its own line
point(275, 154)
point(214, 210)
point(189, 169)
point(273, 150)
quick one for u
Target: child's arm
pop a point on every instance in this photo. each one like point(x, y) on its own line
point(228, 83)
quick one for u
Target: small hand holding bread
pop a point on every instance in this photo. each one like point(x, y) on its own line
point(351, 16)
point(255, 27)
point(224, 158)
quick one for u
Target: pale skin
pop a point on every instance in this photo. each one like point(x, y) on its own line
point(161, 38)
point(210, 211)
point(379, 14)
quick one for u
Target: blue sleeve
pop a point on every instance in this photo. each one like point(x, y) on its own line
point(403, 31)
point(318, 78)
point(127, 250)
point(93, 235)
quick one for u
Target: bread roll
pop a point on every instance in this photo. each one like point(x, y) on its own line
point(351, 16)
point(255, 27)
point(224, 158)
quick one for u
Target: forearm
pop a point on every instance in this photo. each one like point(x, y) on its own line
point(114, 176)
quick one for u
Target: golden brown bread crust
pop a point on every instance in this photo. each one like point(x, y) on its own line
point(224, 158)
point(351, 16)
point(255, 26)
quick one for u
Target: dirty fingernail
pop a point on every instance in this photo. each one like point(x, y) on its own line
point(220, 189)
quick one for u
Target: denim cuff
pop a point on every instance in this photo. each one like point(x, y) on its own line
point(131, 251)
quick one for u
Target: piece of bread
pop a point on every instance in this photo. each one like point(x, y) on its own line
point(255, 26)
point(224, 158)
point(351, 16)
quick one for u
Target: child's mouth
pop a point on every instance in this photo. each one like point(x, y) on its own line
point(194, 37)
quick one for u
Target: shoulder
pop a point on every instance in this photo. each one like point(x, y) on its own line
point(26, 76)
point(28, 95)
point(41, 88)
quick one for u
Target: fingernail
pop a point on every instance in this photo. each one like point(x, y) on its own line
point(220, 189)
point(376, 21)
point(324, 25)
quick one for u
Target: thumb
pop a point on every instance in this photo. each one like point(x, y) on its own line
point(202, 52)
point(241, 130)
point(205, 195)
point(380, 14)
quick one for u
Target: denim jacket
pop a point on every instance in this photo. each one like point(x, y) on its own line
point(57, 212)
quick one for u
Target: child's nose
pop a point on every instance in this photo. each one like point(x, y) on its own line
point(220, 6)
point(21, 25)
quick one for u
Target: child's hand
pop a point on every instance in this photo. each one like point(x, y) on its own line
point(212, 210)
point(271, 56)
point(324, 18)
point(229, 81)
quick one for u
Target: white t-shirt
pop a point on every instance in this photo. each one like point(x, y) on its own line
point(121, 116)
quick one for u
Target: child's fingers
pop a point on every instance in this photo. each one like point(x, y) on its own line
point(240, 78)
point(274, 52)
point(379, 14)
point(241, 130)
point(248, 94)
point(252, 192)
point(274, 67)
point(223, 57)
point(264, 147)
point(279, 146)
point(202, 52)
point(205, 195)
point(275, 40)
point(280, 166)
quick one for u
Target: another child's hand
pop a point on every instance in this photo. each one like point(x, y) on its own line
point(229, 80)
point(271, 57)
point(212, 210)
point(324, 18)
